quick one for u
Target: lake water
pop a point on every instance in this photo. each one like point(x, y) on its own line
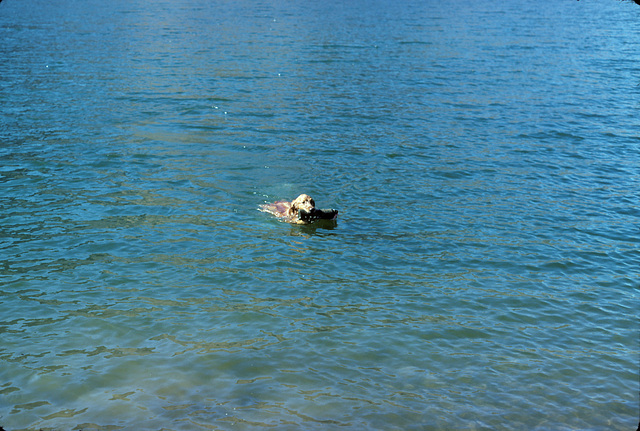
point(484, 272)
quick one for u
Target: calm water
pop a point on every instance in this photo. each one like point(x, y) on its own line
point(484, 271)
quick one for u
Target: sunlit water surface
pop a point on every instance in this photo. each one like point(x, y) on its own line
point(483, 273)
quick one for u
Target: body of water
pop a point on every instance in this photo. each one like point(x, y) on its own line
point(483, 273)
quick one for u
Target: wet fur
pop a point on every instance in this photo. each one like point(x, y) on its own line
point(302, 202)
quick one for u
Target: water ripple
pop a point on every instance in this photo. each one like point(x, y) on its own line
point(482, 273)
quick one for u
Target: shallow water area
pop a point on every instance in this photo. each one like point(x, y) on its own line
point(482, 273)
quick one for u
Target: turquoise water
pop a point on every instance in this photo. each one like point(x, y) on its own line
point(483, 273)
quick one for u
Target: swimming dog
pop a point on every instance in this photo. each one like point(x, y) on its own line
point(302, 210)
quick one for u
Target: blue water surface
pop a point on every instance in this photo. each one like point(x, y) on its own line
point(483, 273)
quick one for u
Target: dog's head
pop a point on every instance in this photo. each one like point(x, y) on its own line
point(302, 202)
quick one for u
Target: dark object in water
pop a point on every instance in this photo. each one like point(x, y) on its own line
point(315, 214)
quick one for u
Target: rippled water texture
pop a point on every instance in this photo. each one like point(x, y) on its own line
point(483, 273)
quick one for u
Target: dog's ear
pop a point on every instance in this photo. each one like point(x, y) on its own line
point(292, 209)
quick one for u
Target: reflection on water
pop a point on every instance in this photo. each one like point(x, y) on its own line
point(482, 273)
